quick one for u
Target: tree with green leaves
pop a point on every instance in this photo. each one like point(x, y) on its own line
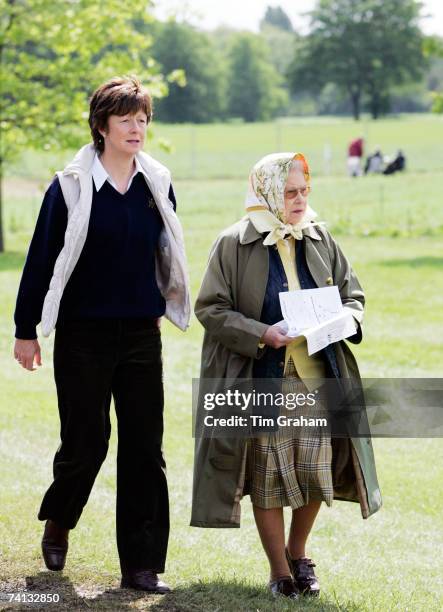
point(365, 47)
point(254, 86)
point(196, 94)
point(282, 44)
point(275, 16)
point(53, 55)
point(433, 48)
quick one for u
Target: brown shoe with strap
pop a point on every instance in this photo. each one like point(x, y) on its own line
point(55, 546)
point(144, 580)
point(304, 576)
point(284, 587)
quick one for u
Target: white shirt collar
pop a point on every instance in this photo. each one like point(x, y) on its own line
point(100, 175)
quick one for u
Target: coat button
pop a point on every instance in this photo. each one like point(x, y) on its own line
point(282, 364)
point(329, 280)
point(285, 284)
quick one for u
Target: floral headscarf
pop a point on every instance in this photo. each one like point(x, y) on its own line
point(265, 199)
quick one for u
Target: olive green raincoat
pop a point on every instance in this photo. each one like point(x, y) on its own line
point(229, 307)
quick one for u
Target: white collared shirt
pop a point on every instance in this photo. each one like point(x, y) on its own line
point(100, 175)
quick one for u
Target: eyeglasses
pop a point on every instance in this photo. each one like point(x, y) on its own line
point(293, 193)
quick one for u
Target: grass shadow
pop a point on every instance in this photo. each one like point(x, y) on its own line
point(210, 596)
point(428, 261)
point(75, 598)
point(234, 595)
point(11, 261)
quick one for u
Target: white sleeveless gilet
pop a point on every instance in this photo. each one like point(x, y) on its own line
point(171, 270)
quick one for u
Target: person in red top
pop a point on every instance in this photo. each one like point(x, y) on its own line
point(355, 154)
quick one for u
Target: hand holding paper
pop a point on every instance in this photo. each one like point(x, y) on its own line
point(317, 314)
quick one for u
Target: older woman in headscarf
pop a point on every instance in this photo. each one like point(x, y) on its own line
point(278, 246)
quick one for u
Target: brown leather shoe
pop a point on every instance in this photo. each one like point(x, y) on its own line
point(284, 586)
point(144, 580)
point(55, 546)
point(304, 575)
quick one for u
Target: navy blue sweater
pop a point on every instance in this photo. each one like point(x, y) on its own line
point(115, 274)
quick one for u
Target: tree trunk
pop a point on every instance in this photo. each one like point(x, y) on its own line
point(7, 26)
point(375, 105)
point(2, 244)
point(355, 99)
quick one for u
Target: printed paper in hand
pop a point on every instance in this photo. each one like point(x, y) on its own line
point(317, 314)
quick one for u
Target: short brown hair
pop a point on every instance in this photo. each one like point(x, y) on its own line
point(118, 96)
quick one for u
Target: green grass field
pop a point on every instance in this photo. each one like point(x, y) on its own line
point(391, 229)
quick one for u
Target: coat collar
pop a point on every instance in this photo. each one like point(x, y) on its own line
point(248, 233)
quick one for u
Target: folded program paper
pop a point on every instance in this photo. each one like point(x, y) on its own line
point(317, 314)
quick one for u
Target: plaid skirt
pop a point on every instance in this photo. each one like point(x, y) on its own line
point(284, 468)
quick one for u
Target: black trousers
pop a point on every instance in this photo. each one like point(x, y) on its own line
point(94, 360)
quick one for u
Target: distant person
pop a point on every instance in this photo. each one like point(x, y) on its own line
point(106, 262)
point(374, 163)
point(355, 154)
point(396, 165)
